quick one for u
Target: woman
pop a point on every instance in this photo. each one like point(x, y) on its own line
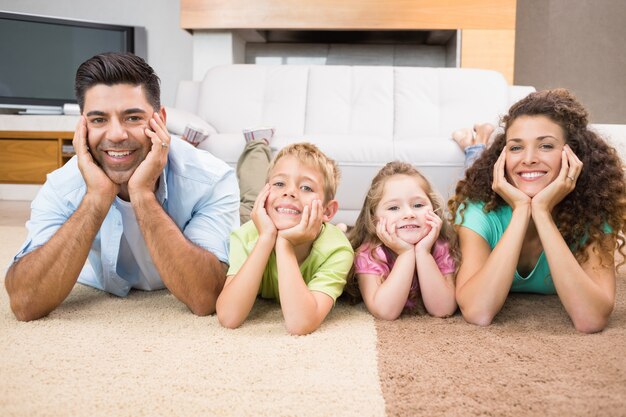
point(541, 210)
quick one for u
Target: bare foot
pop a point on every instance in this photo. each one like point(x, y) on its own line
point(483, 133)
point(463, 137)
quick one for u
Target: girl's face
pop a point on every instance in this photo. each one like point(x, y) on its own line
point(533, 153)
point(404, 204)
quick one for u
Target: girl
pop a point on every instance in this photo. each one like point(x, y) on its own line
point(402, 246)
point(542, 210)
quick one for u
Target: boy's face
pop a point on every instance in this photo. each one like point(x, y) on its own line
point(117, 118)
point(293, 185)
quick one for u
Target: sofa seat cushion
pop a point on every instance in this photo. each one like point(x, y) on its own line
point(429, 151)
point(356, 150)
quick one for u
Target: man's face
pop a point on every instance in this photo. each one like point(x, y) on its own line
point(117, 117)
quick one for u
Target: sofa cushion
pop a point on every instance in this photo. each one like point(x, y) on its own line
point(432, 102)
point(238, 97)
point(350, 101)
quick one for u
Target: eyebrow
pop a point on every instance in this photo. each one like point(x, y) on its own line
point(281, 175)
point(414, 198)
point(127, 111)
point(538, 138)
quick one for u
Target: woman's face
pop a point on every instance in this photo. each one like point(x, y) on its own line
point(533, 153)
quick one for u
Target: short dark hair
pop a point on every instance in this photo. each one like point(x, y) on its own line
point(117, 68)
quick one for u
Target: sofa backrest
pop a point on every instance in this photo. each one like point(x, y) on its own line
point(391, 102)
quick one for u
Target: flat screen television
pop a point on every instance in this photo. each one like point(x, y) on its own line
point(39, 57)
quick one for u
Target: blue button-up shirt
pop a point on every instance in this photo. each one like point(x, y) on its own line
point(198, 191)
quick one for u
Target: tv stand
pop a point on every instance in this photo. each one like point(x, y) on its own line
point(33, 146)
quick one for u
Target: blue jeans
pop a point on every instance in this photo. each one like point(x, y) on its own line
point(472, 153)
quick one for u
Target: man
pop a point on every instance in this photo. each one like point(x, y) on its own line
point(147, 212)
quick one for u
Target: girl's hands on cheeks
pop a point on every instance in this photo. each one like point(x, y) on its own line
point(309, 226)
point(97, 181)
point(148, 172)
point(564, 183)
point(261, 219)
point(389, 237)
point(426, 243)
point(511, 194)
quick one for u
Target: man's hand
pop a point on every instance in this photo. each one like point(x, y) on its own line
point(262, 221)
point(145, 177)
point(390, 238)
point(309, 226)
point(98, 183)
point(563, 184)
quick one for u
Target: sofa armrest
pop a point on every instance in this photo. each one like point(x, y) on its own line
point(187, 96)
point(177, 119)
point(518, 92)
point(615, 135)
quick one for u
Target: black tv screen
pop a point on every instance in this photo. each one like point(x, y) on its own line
point(39, 56)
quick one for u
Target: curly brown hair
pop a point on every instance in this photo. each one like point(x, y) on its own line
point(364, 230)
point(599, 198)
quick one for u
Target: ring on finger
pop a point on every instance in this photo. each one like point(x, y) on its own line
point(164, 145)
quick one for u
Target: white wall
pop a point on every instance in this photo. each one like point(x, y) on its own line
point(170, 48)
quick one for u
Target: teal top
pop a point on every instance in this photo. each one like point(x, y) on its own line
point(491, 227)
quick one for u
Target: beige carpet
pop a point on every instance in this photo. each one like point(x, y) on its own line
point(147, 355)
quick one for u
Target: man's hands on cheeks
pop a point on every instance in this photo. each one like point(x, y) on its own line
point(390, 238)
point(99, 185)
point(511, 194)
point(145, 177)
point(308, 228)
point(564, 183)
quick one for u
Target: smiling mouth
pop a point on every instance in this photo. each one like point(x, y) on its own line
point(409, 227)
point(285, 210)
point(118, 154)
point(531, 175)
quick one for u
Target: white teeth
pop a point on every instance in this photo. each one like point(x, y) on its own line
point(116, 154)
point(287, 210)
point(531, 175)
point(410, 226)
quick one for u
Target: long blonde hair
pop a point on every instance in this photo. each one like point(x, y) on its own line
point(364, 230)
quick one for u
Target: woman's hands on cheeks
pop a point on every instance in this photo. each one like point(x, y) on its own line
point(511, 194)
point(426, 243)
point(261, 219)
point(148, 172)
point(389, 237)
point(564, 183)
point(309, 226)
point(97, 181)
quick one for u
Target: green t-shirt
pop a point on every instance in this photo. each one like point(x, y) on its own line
point(491, 227)
point(324, 270)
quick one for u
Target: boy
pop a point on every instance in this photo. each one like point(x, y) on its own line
point(289, 251)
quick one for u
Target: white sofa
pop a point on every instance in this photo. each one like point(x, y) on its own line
point(362, 117)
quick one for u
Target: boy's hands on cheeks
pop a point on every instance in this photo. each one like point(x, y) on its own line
point(511, 194)
point(145, 177)
point(426, 243)
point(390, 238)
point(309, 226)
point(565, 182)
point(262, 221)
point(98, 183)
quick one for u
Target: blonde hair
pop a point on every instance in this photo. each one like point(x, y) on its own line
point(364, 230)
point(309, 154)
